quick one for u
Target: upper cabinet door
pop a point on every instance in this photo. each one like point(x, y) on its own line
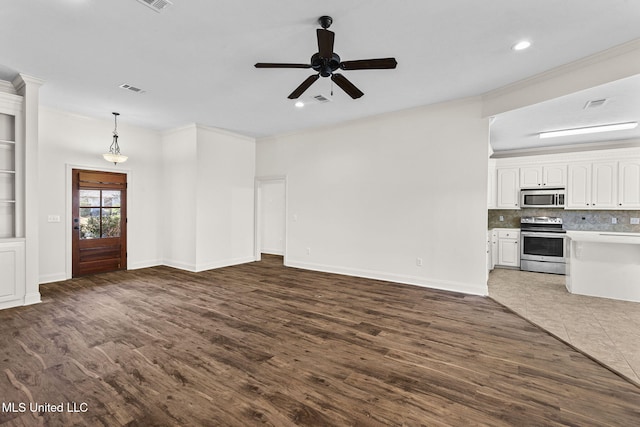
point(554, 176)
point(508, 188)
point(604, 193)
point(531, 177)
point(629, 184)
point(579, 186)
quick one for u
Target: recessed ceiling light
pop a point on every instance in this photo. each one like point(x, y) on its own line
point(521, 45)
point(589, 129)
point(299, 104)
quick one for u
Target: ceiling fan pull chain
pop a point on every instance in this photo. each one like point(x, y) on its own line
point(331, 87)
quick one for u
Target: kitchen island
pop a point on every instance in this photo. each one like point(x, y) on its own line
point(604, 264)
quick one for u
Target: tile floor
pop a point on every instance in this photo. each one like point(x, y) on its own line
point(606, 329)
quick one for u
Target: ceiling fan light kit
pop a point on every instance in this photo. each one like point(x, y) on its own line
point(326, 62)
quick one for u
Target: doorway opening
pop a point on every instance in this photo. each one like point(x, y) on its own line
point(271, 224)
point(99, 233)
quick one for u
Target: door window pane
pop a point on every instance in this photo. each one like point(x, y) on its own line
point(110, 222)
point(89, 198)
point(89, 223)
point(99, 213)
point(111, 198)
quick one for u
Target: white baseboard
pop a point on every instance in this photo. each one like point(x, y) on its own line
point(144, 264)
point(179, 265)
point(209, 265)
point(224, 263)
point(50, 278)
point(467, 288)
point(32, 298)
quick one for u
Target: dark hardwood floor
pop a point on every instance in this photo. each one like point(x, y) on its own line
point(261, 344)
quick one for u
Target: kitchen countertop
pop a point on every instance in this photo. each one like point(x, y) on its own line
point(604, 237)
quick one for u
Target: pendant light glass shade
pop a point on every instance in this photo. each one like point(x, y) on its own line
point(114, 150)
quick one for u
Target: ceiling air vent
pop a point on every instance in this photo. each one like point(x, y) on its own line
point(157, 5)
point(595, 103)
point(131, 88)
point(320, 99)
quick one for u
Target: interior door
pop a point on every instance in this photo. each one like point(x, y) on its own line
point(99, 234)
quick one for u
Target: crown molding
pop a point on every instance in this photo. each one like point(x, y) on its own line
point(23, 80)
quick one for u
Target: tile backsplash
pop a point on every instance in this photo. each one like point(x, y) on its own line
point(587, 220)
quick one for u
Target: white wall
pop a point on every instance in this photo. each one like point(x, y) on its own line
point(207, 193)
point(369, 197)
point(178, 198)
point(69, 141)
point(225, 198)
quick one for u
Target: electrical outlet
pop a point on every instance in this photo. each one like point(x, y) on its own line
point(501, 217)
point(308, 251)
point(614, 220)
point(419, 262)
point(635, 221)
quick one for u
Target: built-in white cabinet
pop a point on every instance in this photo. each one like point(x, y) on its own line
point(508, 188)
point(9, 162)
point(592, 185)
point(543, 176)
point(12, 272)
point(508, 247)
point(16, 267)
point(629, 184)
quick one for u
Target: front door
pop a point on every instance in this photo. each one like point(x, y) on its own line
point(99, 222)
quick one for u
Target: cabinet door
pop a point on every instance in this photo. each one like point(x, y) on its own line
point(508, 252)
point(531, 177)
point(629, 184)
point(12, 284)
point(579, 186)
point(604, 193)
point(554, 176)
point(508, 188)
point(491, 185)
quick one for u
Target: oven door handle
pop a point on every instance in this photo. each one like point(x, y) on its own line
point(537, 234)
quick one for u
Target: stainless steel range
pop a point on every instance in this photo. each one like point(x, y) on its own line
point(543, 244)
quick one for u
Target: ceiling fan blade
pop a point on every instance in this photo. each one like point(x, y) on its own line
point(347, 86)
point(304, 86)
point(276, 65)
point(370, 64)
point(325, 42)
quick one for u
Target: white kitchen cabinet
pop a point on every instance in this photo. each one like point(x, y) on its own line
point(629, 184)
point(554, 176)
point(543, 176)
point(508, 247)
point(604, 193)
point(508, 188)
point(592, 185)
point(491, 185)
point(531, 177)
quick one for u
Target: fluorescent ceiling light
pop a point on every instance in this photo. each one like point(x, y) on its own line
point(590, 129)
point(521, 45)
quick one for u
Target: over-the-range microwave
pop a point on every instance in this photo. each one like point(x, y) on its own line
point(542, 198)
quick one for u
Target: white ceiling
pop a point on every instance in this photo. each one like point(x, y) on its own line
point(195, 59)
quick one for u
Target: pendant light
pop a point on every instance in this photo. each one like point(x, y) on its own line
point(114, 150)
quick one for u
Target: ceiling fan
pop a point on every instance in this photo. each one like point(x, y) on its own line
point(326, 62)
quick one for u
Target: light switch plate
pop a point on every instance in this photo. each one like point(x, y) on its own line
point(635, 221)
point(53, 218)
